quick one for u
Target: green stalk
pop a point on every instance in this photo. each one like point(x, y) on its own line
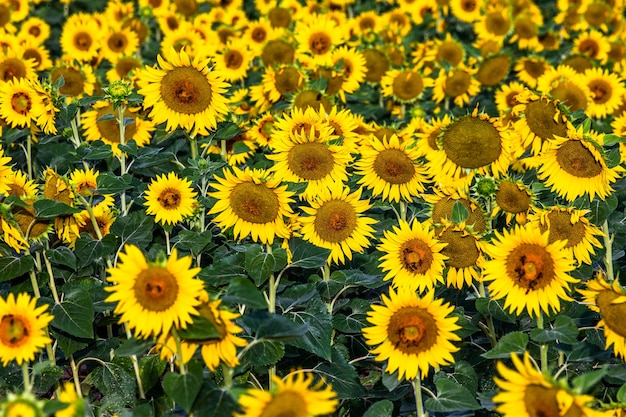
point(417, 391)
point(194, 147)
point(179, 352)
point(543, 348)
point(26, 375)
point(608, 251)
point(120, 121)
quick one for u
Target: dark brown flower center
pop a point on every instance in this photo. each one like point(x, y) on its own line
point(443, 210)
point(612, 313)
point(117, 42)
point(12, 68)
point(575, 159)
point(471, 142)
point(416, 256)
point(497, 23)
point(169, 199)
point(74, 84)
point(534, 68)
point(530, 266)
point(311, 98)
point(461, 248)
point(493, 70)
point(543, 120)
point(335, 221)
point(412, 330)
point(156, 289)
point(82, 41)
point(110, 128)
point(277, 52)
point(279, 17)
point(233, 59)
point(14, 331)
point(525, 28)
point(542, 401)
point(286, 404)
point(21, 103)
point(255, 203)
point(601, 90)
point(186, 90)
point(457, 83)
point(511, 198)
point(407, 85)
point(125, 65)
point(376, 63)
point(259, 34)
point(320, 43)
point(570, 94)
point(288, 80)
point(561, 228)
point(310, 161)
point(394, 166)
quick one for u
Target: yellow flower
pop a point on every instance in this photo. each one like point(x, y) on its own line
point(19, 103)
point(413, 334)
point(75, 404)
point(170, 199)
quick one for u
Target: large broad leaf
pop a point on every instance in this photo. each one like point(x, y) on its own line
point(193, 241)
point(68, 344)
point(451, 397)
point(134, 346)
point(273, 326)
point(88, 250)
point(601, 209)
point(259, 264)
point(488, 307)
point(342, 376)
point(74, 315)
point(62, 256)
point(113, 379)
point(184, 388)
point(215, 402)
point(564, 330)
point(382, 408)
point(307, 255)
point(49, 209)
point(111, 184)
point(135, 228)
point(317, 338)
point(264, 353)
point(242, 291)
point(514, 342)
point(151, 367)
point(11, 267)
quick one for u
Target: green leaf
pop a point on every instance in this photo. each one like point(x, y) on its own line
point(216, 402)
point(242, 291)
point(609, 140)
point(352, 323)
point(601, 209)
point(514, 342)
point(306, 255)
point(465, 374)
point(200, 329)
point(467, 328)
point(11, 267)
point(112, 184)
point(192, 241)
point(183, 389)
point(621, 394)
point(451, 397)
point(68, 344)
point(564, 330)
point(112, 379)
point(227, 130)
point(88, 250)
point(259, 264)
point(134, 346)
point(342, 375)
point(46, 375)
point(582, 384)
point(382, 408)
point(74, 315)
point(280, 258)
point(317, 338)
point(49, 209)
point(459, 212)
point(264, 353)
point(151, 367)
point(273, 326)
point(135, 228)
point(62, 256)
point(488, 307)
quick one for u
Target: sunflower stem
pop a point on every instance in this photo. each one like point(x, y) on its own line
point(29, 156)
point(417, 391)
point(179, 352)
point(167, 242)
point(121, 108)
point(543, 348)
point(33, 281)
point(53, 287)
point(92, 217)
point(26, 375)
point(133, 359)
point(227, 371)
point(491, 332)
point(79, 391)
point(403, 210)
point(193, 142)
point(608, 251)
point(223, 150)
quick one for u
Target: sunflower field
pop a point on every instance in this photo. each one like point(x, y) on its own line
point(295, 208)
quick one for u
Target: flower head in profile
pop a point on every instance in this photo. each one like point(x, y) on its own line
point(22, 328)
point(295, 395)
point(525, 392)
point(528, 271)
point(413, 334)
point(170, 199)
point(153, 297)
point(22, 405)
point(253, 203)
point(184, 92)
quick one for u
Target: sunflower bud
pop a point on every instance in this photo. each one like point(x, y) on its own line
point(118, 91)
point(486, 187)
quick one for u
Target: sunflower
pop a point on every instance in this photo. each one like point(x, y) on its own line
point(123, 68)
point(592, 43)
point(457, 84)
point(468, 11)
point(526, 30)
point(388, 168)
point(253, 202)
point(335, 221)
point(78, 39)
point(608, 299)
point(258, 32)
point(28, 226)
point(317, 36)
point(99, 127)
point(607, 91)
point(526, 392)
point(528, 271)
point(313, 158)
point(36, 52)
point(46, 120)
point(573, 166)
point(35, 29)
point(571, 225)
point(413, 257)
point(514, 199)
point(19, 103)
point(298, 122)
point(57, 187)
point(343, 124)
point(539, 119)
point(170, 199)
point(443, 203)
point(22, 328)
point(118, 42)
point(442, 51)
point(563, 83)
point(283, 81)
point(278, 51)
point(495, 23)
point(376, 64)
point(296, 395)
point(21, 405)
point(153, 297)
point(351, 67)
point(493, 69)
point(473, 142)
point(234, 60)
point(104, 217)
point(464, 252)
point(75, 404)
point(506, 99)
point(184, 92)
point(404, 86)
point(529, 68)
point(18, 183)
point(414, 334)
point(78, 80)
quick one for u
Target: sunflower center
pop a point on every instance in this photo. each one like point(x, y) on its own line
point(14, 331)
point(335, 221)
point(612, 313)
point(531, 266)
point(74, 83)
point(277, 52)
point(497, 24)
point(525, 28)
point(376, 63)
point(597, 14)
point(5, 15)
point(258, 34)
point(534, 68)
point(156, 289)
point(570, 94)
point(311, 98)
point(542, 401)
point(12, 68)
point(288, 80)
point(233, 59)
point(286, 404)
point(254, 203)
point(416, 256)
point(320, 43)
point(169, 199)
point(601, 90)
point(469, 5)
point(471, 142)
point(117, 42)
point(562, 228)
point(110, 128)
point(457, 83)
point(394, 166)
point(461, 248)
point(589, 47)
point(82, 41)
point(407, 85)
point(310, 161)
point(279, 17)
point(412, 330)
point(543, 120)
point(20, 103)
point(575, 159)
point(510, 198)
point(186, 90)
point(125, 65)
point(493, 70)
